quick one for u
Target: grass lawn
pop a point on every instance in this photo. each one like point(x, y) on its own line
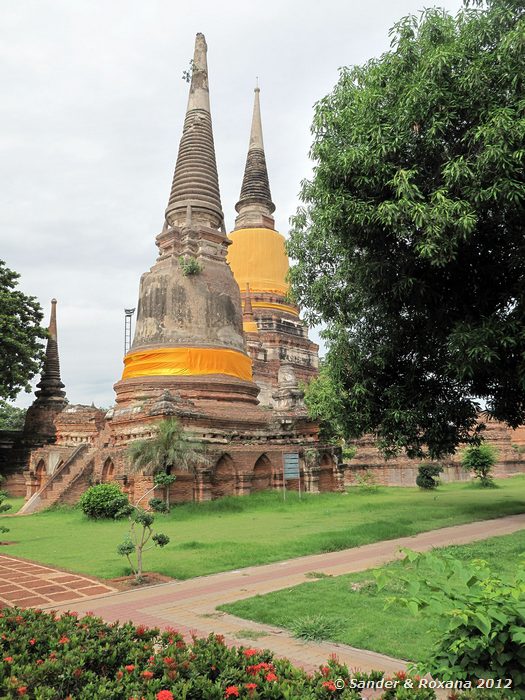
point(355, 610)
point(242, 531)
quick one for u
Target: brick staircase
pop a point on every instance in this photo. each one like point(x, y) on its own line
point(65, 484)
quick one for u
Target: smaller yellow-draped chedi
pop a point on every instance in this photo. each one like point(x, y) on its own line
point(274, 332)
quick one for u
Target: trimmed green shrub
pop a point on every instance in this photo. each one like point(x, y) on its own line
point(480, 459)
point(427, 474)
point(158, 505)
point(104, 501)
point(45, 656)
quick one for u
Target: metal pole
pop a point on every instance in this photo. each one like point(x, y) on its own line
point(127, 329)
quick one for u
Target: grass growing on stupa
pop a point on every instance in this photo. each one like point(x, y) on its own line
point(353, 610)
point(243, 531)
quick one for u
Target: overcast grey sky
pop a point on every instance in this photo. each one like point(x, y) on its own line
point(91, 115)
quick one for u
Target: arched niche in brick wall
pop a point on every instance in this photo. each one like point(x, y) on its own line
point(108, 471)
point(327, 480)
point(40, 473)
point(223, 477)
point(262, 474)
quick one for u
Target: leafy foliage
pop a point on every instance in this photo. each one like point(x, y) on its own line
point(11, 417)
point(484, 612)
point(189, 266)
point(480, 460)
point(21, 350)
point(104, 501)
point(323, 401)
point(427, 476)
point(365, 480)
point(409, 245)
point(4, 507)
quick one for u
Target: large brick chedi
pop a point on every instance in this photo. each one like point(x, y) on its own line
point(189, 333)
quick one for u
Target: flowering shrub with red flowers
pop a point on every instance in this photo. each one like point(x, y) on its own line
point(45, 656)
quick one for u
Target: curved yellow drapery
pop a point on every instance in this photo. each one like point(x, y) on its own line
point(272, 305)
point(187, 362)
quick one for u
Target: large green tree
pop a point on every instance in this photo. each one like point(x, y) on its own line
point(410, 245)
point(21, 349)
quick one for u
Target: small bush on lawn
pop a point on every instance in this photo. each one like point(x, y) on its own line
point(315, 627)
point(104, 501)
point(47, 657)
point(427, 475)
point(480, 460)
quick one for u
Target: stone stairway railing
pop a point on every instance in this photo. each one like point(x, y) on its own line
point(58, 483)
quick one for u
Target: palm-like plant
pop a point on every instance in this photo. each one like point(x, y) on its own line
point(170, 447)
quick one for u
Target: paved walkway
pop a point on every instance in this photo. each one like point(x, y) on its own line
point(190, 606)
point(29, 585)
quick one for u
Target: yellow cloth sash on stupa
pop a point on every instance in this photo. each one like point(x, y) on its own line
point(250, 327)
point(272, 305)
point(258, 257)
point(187, 362)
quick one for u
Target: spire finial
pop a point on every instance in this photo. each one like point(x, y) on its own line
point(50, 386)
point(255, 206)
point(195, 182)
point(199, 97)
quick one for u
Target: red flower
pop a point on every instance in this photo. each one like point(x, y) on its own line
point(232, 692)
point(63, 640)
point(130, 668)
point(168, 660)
point(22, 690)
point(164, 695)
point(119, 675)
point(8, 659)
point(249, 652)
point(32, 641)
point(180, 644)
point(250, 687)
point(400, 675)
point(39, 661)
point(147, 675)
point(271, 676)
point(329, 685)
point(151, 659)
point(140, 630)
point(325, 671)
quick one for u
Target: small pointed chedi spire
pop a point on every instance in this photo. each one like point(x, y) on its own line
point(248, 310)
point(195, 196)
point(50, 386)
point(256, 198)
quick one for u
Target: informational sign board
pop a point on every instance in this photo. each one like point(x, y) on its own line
point(291, 465)
point(291, 470)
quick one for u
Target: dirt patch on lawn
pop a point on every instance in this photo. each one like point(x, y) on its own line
point(128, 583)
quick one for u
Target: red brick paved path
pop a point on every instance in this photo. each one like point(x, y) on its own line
point(190, 606)
point(26, 584)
